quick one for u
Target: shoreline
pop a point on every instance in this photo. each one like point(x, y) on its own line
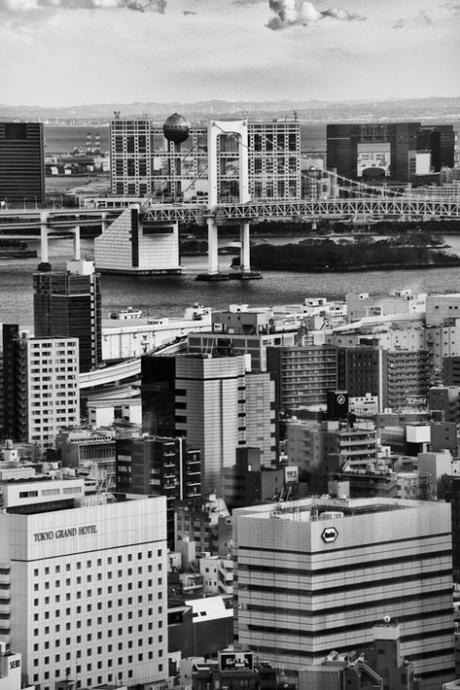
point(361, 269)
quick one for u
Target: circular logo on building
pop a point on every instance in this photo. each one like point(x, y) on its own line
point(329, 535)
point(340, 399)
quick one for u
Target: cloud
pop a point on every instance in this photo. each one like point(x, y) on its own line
point(20, 6)
point(300, 13)
point(421, 19)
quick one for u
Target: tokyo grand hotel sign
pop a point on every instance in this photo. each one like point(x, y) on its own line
point(63, 533)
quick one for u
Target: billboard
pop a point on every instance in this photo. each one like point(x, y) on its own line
point(374, 156)
point(240, 661)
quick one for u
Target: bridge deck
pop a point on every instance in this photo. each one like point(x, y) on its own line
point(378, 208)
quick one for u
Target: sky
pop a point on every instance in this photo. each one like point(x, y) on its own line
point(75, 52)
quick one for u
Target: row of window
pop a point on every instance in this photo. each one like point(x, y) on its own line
point(39, 632)
point(89, 681)
point(98, 562)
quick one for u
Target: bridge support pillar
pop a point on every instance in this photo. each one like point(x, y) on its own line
point(76, 244)
point(44, 237)
point(213, 257)
point(105, 222)
point(245, 261)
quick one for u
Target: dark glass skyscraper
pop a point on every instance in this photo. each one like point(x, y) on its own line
point(67, 304)
point(22, 169)
point(385, 150)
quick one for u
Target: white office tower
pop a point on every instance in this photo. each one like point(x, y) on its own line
point(317, 575)
point(211, 409)
point(86, 586)
point(53, 399)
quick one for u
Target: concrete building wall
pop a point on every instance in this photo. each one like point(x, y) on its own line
point(337, 575)
point(261, 423)
point(210, 409)
point(53, 399)
point(75, 592)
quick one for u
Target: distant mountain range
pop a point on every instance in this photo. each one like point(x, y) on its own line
point(312, 111)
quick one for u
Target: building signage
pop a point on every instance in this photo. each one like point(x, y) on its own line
point(329, 535)
point(376, 155)
point(231, 661)
point(67, 532)
point(16, 663)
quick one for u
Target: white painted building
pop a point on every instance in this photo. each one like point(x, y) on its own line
point(87, 591)
point(132, 245)
point(315, 576)
point(124, 338)
point(53, 399)
point(442, 306)
point(11, 670)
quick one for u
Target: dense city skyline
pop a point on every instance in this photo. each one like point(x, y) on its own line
point(199, 49)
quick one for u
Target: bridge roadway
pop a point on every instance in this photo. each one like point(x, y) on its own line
point(370, 209)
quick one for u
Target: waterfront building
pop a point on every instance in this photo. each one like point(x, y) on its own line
point(393, 151)
point(86, 582)
point(22, 164)
point(67, 304)
point(159, 466)
point(317, 575)
point(145, 163)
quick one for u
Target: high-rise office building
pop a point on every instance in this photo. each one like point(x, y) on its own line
point(215, 403)
point(67, 304)
point(143, 162)
point(159, 466)
point(317, 575)
point(394, 151)
point(22, 163)
point(85, 583)
point(210, 409)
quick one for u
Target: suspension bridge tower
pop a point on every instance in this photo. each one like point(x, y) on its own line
point(215, 129)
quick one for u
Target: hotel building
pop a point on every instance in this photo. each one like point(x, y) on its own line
point(83, 580)
point(317, 575)
point(144, 162)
